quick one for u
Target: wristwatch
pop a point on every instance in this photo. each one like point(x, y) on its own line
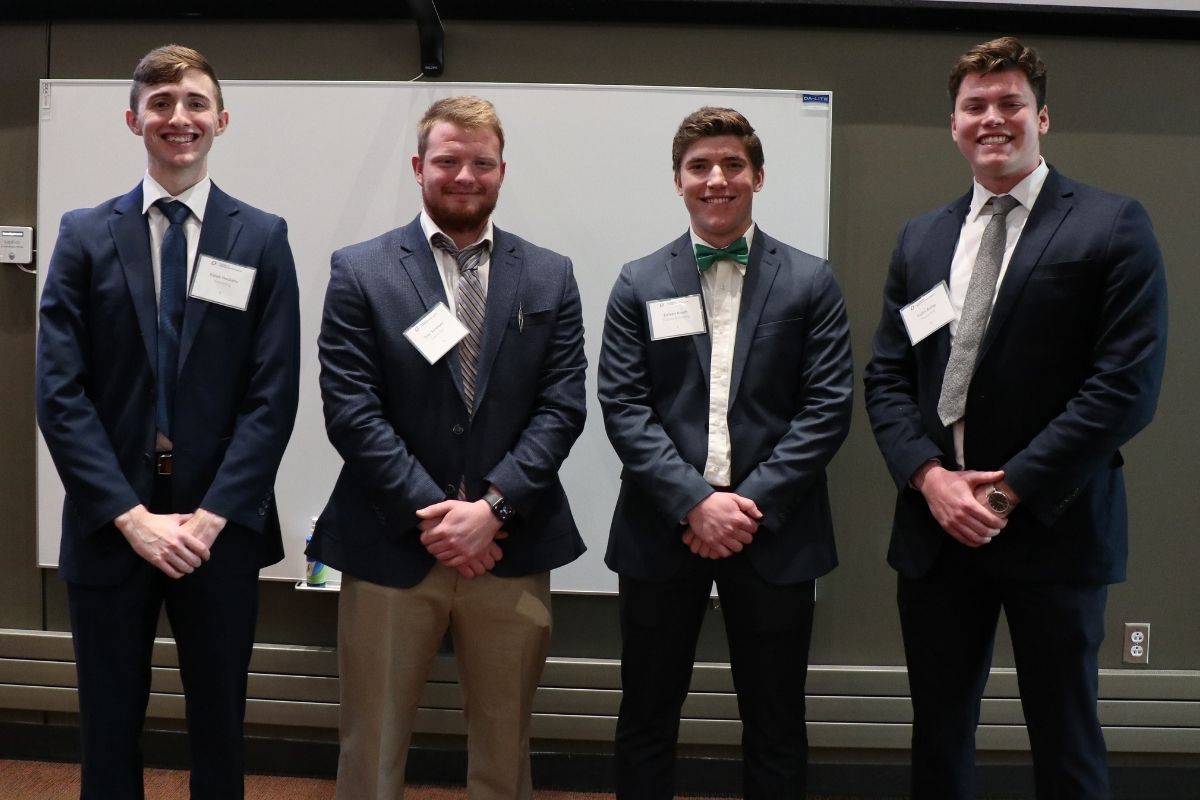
point(500, 507)
point(999, 502)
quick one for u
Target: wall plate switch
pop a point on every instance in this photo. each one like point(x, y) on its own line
point(16, 244)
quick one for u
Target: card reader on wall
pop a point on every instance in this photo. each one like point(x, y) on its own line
point(16, 245)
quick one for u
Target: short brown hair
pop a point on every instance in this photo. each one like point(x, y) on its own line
point(713, 121)
point(167, 64)
point(463, 110)
point(996, 55)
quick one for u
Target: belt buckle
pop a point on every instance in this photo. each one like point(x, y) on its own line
point(164, 463)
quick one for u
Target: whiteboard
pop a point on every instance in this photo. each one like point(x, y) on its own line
point(589, 176)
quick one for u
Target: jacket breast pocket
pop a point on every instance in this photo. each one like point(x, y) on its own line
point(782, 327)
point(523, 319)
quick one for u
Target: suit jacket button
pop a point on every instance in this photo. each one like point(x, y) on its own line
point(457, 429)
point(451, 490)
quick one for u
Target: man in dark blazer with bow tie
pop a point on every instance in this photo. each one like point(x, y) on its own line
point(448, 513)
point(1011, 496)
point(167, 431)
point(725, 380)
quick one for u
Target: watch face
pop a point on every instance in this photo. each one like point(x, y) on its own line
point(502, 509)
point(999, 502)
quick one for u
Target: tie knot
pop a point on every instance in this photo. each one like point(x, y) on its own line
point(173, 210)
point(735, 251)
point(468, 258)
point(1001, 204)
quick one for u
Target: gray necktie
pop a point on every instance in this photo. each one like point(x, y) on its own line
point(977, 308)
point(470, 306)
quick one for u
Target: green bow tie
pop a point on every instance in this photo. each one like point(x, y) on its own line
point(738, 251)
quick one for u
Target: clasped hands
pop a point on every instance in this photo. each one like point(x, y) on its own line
point(462, 535)
point(958, 501)
point(175, 544)
point(721, 525)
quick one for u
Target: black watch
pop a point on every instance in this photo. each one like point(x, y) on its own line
point(500, 507)
point(999, 502)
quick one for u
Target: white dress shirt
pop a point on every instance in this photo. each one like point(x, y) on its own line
point(722, 288)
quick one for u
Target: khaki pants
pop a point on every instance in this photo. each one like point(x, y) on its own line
point(387, 639)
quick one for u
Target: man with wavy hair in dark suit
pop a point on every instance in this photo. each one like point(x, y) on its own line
point(1021, 344)
point(726, 380)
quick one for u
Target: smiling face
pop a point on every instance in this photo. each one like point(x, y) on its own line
point(178, 122)
point(717, 182)
point(997, 127)
point(460, 176)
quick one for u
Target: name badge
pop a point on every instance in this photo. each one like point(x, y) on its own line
point(676, 316)
point(435, 333)
point(930, 312)
point(222, 282)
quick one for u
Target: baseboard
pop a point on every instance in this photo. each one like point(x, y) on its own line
point(576, 771)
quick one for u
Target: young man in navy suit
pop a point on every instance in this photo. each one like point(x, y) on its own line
point(725, 380)
point(1000, 405)
point(167, 378)
point(452, 372)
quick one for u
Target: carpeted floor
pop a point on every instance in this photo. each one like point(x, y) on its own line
point(40, 780)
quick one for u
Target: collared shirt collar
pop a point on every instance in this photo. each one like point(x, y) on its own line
point(195, 197)
point(1026, 192)
point(429, 228)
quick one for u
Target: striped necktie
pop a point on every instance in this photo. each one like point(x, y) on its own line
point(470, 307)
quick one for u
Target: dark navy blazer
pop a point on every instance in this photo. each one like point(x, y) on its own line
point(789, 410)
point(238, 384)
point(402, 427)
point(1069, 370)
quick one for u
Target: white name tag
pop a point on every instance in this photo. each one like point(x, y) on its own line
point(928, 313)
point(435, 333)
point(676, 316)
point(222, 282)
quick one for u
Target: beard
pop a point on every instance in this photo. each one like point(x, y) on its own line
point(451, 218)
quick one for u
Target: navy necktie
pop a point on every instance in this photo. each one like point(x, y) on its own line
point(171, 296)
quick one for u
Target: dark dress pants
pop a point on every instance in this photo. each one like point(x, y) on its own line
point(948, 619)
point(212, 618)
point(768, 628)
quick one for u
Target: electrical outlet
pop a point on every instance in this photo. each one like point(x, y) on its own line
point(1136, 649)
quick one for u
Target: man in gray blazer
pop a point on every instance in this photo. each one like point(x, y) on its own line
point(448, 513)
point(725, 380)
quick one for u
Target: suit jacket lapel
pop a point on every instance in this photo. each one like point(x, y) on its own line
point(685, 279)
point(131, 235)
point(505, 273)
point(934, 259)
point(756, 287)
point(218, 233)
point(417, 261)
point(1051, 208)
